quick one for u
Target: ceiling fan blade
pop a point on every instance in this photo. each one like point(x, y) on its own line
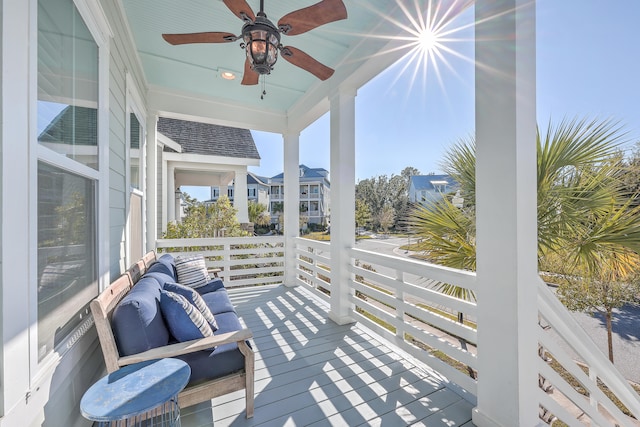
point(308, 18)
point(210, 37)
point(250, 77)
point(241, 9)
point(306, 62)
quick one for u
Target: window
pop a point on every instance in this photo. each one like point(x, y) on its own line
point(67, 270)
point(67, 83)
point(67, 191)
point(230, 192)
point(136, 163)
point(215, 192)
point(136, 133)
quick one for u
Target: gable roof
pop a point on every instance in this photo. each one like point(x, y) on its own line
point(257, 179)
point(73, 125)
point(428, 182)
point(307, 172)
point(209, 139)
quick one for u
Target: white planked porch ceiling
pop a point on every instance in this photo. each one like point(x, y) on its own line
point(310, 371)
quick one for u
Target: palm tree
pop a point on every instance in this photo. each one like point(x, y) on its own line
point(584, 213)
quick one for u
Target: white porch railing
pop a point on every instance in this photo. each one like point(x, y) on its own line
point(395, 297)
point(243, 261)
point(313, 266)
point(575, 392)
point(390, 297)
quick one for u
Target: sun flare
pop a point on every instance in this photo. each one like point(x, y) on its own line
point(427, 40)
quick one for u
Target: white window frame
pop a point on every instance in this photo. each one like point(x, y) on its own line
point(95, 20)
point(134, 105)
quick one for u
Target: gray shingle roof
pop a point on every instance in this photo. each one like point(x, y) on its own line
point(209, 139)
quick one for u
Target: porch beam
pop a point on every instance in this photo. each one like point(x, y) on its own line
point(343, 179)
point(506, 213)
point(291, 204)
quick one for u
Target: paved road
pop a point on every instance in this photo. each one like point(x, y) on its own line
point(626, 322)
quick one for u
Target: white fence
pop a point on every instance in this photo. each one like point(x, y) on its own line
point(573, 391)
point(243, 261)
point(391, 297)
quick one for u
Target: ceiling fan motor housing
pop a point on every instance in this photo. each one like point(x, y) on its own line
point(262, 41)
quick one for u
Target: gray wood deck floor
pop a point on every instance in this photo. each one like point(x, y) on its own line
point(310, 371)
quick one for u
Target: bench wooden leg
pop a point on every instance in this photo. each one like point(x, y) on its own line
point(249, 362)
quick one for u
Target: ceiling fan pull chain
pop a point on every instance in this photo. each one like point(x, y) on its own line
point(264, 86)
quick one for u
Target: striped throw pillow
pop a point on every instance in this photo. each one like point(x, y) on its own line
point(194, 298)
point(192, 270)
point(184, 320)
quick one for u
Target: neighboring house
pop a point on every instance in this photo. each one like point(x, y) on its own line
point(202, 154)
point(424, 189)
point(257, 190)
point(314, 195)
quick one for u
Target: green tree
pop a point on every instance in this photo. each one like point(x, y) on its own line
point(600, 291)
point(379, 191)
point(363, 214)
point(584, 215)
point(258, 213)
point(206, 221)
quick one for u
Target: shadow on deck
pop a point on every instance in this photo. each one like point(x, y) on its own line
point(310, 371)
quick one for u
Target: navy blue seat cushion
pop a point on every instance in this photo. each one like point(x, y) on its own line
point(218, 302)
point(137, 320)
point(212, 286)
point(184, 320)
point(225, 359)
point(194, 298)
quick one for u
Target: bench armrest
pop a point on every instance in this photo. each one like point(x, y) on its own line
point(186, 347)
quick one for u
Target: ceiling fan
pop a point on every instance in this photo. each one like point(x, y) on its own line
point(261, 38)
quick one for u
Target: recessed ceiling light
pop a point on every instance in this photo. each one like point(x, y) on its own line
point(228, 75)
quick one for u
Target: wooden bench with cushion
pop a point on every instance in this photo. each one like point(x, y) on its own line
point(131, 329)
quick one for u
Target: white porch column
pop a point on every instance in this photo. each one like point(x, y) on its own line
point(240, 201)
point(151, 190)
point(170, 192)
point(506, 213)
point(343, 184)
point(291, 204)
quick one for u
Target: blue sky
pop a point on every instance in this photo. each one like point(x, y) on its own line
point(588, 65)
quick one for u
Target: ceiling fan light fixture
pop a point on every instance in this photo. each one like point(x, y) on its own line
point(261, 42)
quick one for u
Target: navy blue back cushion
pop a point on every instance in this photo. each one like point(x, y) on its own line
point(159, 277)
point(137, 321)
point(169, 261)
point(162, 265)
point(212, 286)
